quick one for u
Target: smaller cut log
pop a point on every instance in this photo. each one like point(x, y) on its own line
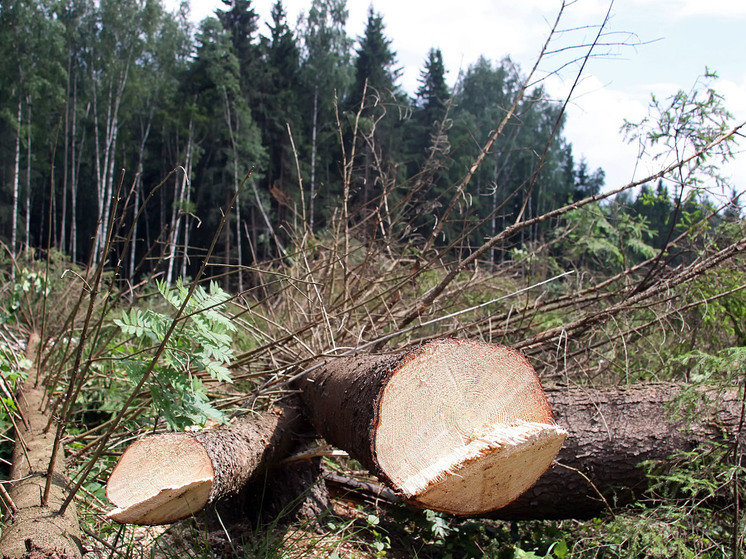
point(163, 478)
point(457, 426)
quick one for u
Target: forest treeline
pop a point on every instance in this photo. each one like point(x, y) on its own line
point(125, 109)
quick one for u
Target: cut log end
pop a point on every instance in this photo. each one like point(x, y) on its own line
point(491, 472)
point(159, 480)
point(464, 427)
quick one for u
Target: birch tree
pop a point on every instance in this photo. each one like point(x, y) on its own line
point(328, 72)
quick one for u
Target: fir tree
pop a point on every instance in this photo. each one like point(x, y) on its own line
point(240, 21)
point(375, 85)
point(277, 98)
point(375, 62)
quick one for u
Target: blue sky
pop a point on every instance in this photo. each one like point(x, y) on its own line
point(676, 40)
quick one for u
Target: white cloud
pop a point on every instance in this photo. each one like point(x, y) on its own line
point(696, 8)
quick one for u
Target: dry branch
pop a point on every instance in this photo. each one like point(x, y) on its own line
point(40, 523)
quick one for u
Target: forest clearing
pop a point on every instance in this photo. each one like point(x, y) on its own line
point(258, 302)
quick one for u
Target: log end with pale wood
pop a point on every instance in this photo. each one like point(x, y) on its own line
point(457, 426)
point(160, 479)
point(163, 478)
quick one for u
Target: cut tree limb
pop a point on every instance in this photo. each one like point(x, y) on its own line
point(457, 426)
point(41, 525)
point(164, 478)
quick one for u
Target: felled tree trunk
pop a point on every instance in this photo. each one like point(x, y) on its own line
point(164, 478)
point(453, 425)
point(32, 524)
point(612, 430)
point(457, 426)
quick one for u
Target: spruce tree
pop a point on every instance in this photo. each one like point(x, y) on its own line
point(430, 105)
point(277, 103)
point(433, 93)
point(375, 62)
point(240, 21)
point(375, 85)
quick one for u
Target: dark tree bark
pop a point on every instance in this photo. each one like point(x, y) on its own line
point(612, 430)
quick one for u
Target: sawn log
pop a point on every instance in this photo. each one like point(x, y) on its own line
point(163, 478)
point(457, 426)
point(453, 425)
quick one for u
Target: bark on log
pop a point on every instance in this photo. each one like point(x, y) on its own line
point(454, 425)
point(457, 426)
point(164, 478)
point(38, 524)
point(612, 430)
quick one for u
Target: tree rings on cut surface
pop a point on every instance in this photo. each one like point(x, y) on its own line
point(160, 479)
point(458, 426)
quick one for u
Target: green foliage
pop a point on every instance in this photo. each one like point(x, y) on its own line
point(27, 287)
point(598, 239)
point(681, 125)
point(201, 342)
point(690, 512)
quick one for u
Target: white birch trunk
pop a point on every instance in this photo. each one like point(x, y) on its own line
point(27, 230)
point(186, 199)
point(314, 131)
point(16, 173)
point(138, 189)
point(105, 170)
point(180, 188)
